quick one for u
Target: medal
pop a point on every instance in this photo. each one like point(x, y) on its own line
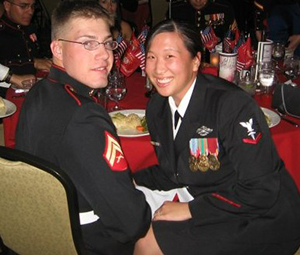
point(193, 164)
point(213, 149)
point(202, 163)
point(213, 162)
point(194, 151)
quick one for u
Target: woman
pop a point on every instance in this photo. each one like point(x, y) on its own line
point(120, 26)
point(244, 200)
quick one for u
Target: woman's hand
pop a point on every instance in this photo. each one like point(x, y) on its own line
point(173, 211)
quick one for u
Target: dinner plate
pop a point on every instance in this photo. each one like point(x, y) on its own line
point(131, 132)
point(10, 108)
point(274, 117)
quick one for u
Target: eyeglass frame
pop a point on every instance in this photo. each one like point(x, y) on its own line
point(24, 6)
point(98, 44)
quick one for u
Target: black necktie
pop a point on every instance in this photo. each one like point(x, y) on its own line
point(176, 118)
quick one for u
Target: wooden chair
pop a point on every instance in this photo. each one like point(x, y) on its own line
point(39, 211)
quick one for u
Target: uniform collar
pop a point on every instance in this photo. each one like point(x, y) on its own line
point(12, 24)
point(58, 74)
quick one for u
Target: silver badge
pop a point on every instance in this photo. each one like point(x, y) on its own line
point(204, 131)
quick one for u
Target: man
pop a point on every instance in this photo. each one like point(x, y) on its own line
point(218, 14)
point(19, 46)
point(281, 19)
point(61, 122)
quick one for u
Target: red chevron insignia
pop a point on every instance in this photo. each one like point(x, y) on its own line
point(113, 154)
point(252, 141)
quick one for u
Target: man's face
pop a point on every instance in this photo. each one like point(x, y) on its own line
point(198, 4)
point(20, 11)
point(90, 67)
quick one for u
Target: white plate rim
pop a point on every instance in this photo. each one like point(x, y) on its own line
point(10, 108)
point(139, 112)
point(274, 117)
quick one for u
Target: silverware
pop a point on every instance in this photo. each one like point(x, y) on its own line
point(286, 119)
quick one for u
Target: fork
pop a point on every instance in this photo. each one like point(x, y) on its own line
point(282, 116)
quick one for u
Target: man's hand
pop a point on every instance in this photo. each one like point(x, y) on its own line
point(294, 42)
point(42, 64)
point(173, 211)
point(17, 79)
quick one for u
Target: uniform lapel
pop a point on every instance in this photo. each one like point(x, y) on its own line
point(193, 116)
point(165, 132)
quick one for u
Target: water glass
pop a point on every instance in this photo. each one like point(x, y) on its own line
point(267, 80)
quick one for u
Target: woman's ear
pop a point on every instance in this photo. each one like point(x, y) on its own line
point(197, 61)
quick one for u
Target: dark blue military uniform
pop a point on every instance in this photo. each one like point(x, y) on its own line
point(60, 122)
point(245, 201)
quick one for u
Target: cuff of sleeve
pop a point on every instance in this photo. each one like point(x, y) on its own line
point(4, 71)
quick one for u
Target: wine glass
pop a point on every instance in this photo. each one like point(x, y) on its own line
point(291, 67)
point(278, 53)
point(116, 89)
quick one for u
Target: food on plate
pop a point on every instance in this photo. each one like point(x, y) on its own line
point(2, 106)
point(130, 121)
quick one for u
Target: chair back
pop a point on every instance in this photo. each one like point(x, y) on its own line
point(39, 211)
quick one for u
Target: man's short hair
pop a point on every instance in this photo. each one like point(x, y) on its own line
point(68, 10)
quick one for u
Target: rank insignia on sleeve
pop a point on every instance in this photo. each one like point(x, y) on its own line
point(113, 154)
point(253, 136)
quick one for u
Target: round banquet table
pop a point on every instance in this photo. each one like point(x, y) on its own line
point(140, 153)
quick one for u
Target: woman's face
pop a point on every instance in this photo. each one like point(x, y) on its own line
point(170, 66)
point(110, 5)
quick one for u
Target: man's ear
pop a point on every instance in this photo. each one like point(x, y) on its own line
point(56, 49)
point(6, 5)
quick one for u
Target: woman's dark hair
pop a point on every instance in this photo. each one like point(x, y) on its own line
point(190, 36)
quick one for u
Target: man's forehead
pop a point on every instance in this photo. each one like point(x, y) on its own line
point(22, 1)
point(83, 25)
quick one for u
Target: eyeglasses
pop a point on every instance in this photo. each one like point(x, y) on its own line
point(24, 6)
point(93, 44)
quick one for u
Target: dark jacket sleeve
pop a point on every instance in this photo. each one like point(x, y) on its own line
point(110, 192)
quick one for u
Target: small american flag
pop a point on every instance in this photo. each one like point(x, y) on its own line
point(209, 38)
point(240, 65)
point(143, 35)
point(141, 56)
point(119, 52)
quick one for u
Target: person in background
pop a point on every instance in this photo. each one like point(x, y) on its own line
point(121, 27)
point(218, 14)
point(61, 122)
point(1, 9)
point(211, 140)
point(129, 5)
point(281, 20)
point(140, 17)
point(19, 45)
point(7, 77)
